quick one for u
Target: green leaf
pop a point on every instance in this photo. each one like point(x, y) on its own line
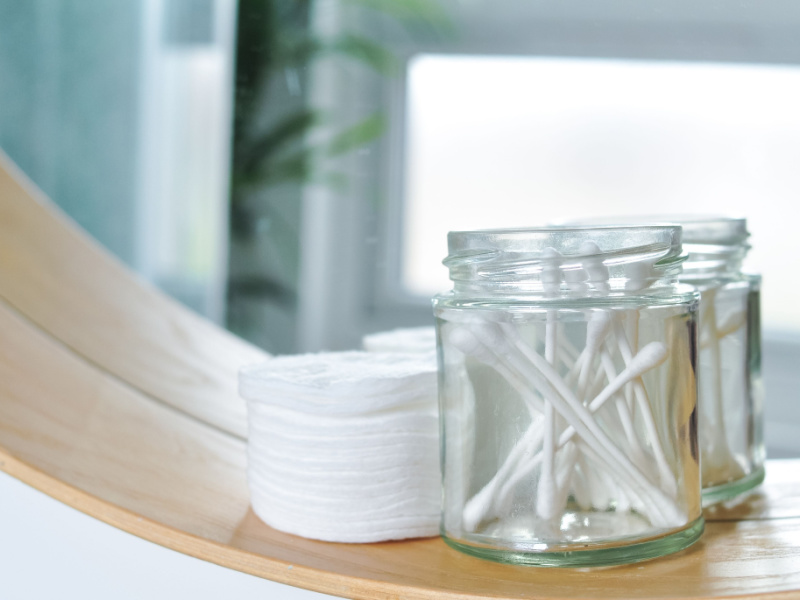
point(420, 15)
point(408, 10)
point(296, 167)
point(367, 51)
point(290, 130)
point(356, 47)
point(358, 135)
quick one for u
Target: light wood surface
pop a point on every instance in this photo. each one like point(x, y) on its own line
point(82, 296)
point(118, 402)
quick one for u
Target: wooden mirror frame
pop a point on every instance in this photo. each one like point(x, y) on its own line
point(121, 403)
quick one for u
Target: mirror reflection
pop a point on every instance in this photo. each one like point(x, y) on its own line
point(290, 169)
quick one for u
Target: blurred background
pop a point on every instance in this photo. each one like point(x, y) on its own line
point(290, 169)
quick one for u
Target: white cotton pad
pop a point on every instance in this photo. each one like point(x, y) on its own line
point(340, 382)
point(344, 446)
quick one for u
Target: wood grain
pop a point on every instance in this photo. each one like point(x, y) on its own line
point(86, 418)
point(76, 291)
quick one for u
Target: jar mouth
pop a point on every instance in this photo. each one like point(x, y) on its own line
point(712, 230)
point(716, 244)
point(559, 260)
point(709, 229)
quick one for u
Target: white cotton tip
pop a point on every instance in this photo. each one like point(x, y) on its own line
point(596, 270)
point(476, 508)
point(463, 340)
point(580, 491)
point(478, 342)
point(596, 329)
point(576, 279)
point(649, 357)
point(589, 247)
point(552, 255)
point(491, 336)
point(639, 274)
point(622, 503)
point(551, 269)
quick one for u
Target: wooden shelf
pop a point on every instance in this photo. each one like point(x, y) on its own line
point(122, 404)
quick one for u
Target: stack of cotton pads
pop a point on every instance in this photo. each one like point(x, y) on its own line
point(344, 446)
point(414, 339)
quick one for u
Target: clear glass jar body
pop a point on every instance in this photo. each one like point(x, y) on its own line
point(730, 391)
point(568, 419)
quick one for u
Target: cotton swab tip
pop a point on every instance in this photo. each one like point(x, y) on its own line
point(649, 357)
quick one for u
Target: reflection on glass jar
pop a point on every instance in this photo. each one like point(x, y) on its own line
point(567, 396)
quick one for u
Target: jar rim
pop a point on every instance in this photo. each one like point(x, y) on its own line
point(707, 229)
point(565, 259)
point(565, 238)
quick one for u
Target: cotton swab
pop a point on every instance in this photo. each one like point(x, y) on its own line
point(549, 397)
point(597, 328)
point(643, 404)
point(651, 356)
point(718, 462)
point(551, 387)
point(547, 489)
point(732, 323)
point(465, 341)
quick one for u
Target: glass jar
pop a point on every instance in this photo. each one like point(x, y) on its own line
point(730, 391)
point(567, 396)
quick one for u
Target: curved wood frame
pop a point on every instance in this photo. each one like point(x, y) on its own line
point(70, 287)
point(122, 404)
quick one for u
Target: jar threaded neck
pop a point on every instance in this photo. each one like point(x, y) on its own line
point(565, 261)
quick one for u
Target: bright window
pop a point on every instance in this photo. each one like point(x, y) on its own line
point(507, 141)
